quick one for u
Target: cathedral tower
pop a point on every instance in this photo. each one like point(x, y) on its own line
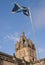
point(25, 49)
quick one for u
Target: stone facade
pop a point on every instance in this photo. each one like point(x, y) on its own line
point(25, 49)
point(25, 54)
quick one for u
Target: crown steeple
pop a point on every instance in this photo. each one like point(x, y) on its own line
point(25, 49)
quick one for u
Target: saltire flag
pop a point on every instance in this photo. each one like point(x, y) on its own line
point(17, 8)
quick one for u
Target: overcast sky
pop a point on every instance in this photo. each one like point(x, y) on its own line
point(12, 25)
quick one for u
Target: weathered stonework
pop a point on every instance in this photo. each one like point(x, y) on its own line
point(25, 54)
point(25, 48)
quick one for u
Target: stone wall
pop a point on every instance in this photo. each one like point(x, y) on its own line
point(8, 63)
point(1, 62)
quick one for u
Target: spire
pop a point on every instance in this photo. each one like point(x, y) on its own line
point(23, 37)
point(23, 34)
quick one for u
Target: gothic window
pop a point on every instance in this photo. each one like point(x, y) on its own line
point(8, 58)
point(29, 45)
point(32, 53)
point(33, 59)
point(24, 43)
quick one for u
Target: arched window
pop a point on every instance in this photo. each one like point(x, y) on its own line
point(33, 59)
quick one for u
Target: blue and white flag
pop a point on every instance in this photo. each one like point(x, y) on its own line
point(17, 8)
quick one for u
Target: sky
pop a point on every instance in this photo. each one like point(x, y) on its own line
point(12, 25)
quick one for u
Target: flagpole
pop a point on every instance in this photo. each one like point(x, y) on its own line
point(34, 33)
